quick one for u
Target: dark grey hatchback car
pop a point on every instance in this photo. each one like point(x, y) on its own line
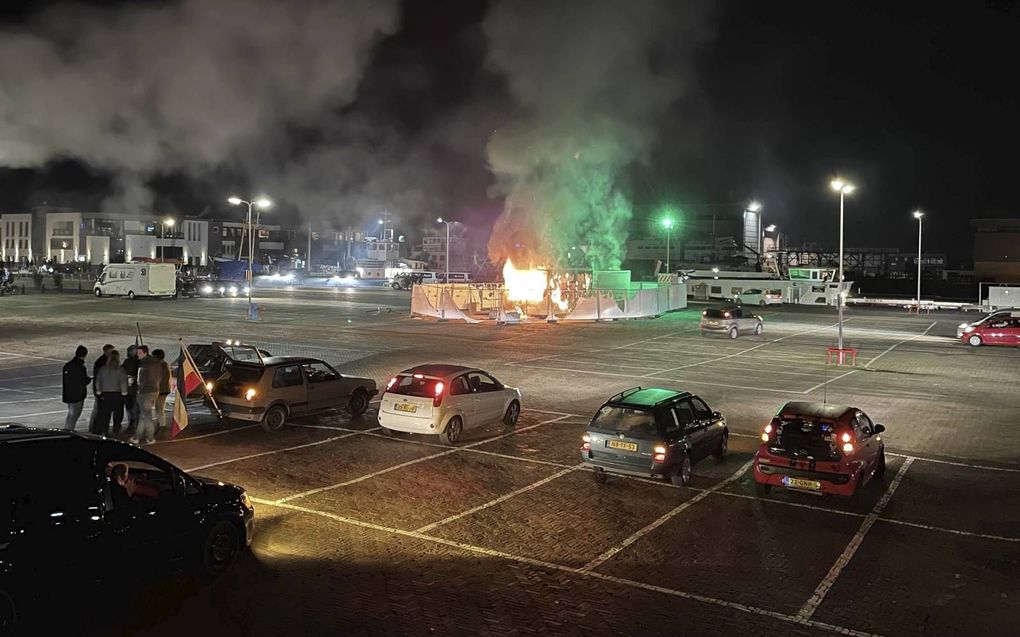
point(652, 432)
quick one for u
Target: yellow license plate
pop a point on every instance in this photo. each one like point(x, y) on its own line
point(409, 408)
point(797, 483)
point(626, 446)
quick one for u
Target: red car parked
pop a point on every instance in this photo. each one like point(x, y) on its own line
point(818, 448)
point(996, 330)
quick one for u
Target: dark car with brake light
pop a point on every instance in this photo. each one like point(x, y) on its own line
point(819, 448)
point(651, 432)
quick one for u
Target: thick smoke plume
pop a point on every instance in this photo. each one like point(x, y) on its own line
point(592, 80)
point(188, 86)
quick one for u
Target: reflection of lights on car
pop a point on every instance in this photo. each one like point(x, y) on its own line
point(206, 289)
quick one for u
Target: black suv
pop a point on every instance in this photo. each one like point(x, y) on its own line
point(77, 509)
point(650, 432)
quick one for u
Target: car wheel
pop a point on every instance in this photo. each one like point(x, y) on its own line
point(275, 418)
point(758, 329)
point(395, 286)
point(600, 475)
point(453, 430)
point(131, 295)
point(98, 292)
point(880, 466)
point(221, 548)
point(724, 446)
point(733, 332)
point(762, 489)
point(761, 303)
point(974, 340)
point(359, 403)
point(513, 412)
point(681, 477)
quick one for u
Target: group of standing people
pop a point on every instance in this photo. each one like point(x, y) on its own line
point(136, 386)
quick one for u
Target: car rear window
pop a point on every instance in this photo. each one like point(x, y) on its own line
point(634, 423)
point(713, 313)
point(412, 385)
point(237, 379)
point(806, 438)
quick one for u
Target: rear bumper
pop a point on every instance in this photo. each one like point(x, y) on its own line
point(830, 483)
point(407, 424)
point(241, 412)
point(641, 470)
point(720, 329)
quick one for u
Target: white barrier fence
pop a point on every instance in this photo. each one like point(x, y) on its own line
point(475, 303)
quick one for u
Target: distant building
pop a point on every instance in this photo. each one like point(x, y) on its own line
point(996, 250)
point(16, 237)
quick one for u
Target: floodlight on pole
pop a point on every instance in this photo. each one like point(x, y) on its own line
point(919, 216)
point(261, 203)
point(440, 220)
point(843, 188)
point(667, 223)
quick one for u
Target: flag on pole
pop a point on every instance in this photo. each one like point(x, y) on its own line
point(188, 379)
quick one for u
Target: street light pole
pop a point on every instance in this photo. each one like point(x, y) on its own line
point(162, 235)
point(844, 188)
point(440, 220)
point(260, 203)
point(919, 216)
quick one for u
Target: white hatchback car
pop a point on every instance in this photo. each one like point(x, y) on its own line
point(445, 400)
point(761, 298)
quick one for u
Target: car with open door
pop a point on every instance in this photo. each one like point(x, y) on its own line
point(819, 448)
point(445, 400)
point(96, 514)
point(652, 432)
point(274, 389)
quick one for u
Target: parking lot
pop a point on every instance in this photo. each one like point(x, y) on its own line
point(506, 533)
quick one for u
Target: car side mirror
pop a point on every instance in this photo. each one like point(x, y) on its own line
point(716, 414)
point(879, 428)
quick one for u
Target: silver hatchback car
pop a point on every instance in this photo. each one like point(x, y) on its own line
point(731, 321)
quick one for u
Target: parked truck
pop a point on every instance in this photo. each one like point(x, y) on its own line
point(137, 279)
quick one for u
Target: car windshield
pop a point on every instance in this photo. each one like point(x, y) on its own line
point(414, 385)
point(806, 439)
point(633, 423)
point(237, 379)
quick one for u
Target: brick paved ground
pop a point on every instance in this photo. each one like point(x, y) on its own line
point(358, 534)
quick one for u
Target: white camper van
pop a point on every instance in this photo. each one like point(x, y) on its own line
point(137, 279)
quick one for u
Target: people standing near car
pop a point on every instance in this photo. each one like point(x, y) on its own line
point(111, 387)
point(131, 402)
point(148, 391)
point(164, 388)
point(96, 366)
point(75, 386)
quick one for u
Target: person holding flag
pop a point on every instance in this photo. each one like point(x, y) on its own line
point(188, 380)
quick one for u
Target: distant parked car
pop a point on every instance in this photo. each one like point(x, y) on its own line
point(651, 432)
point(221, 288)
point(271, 390)
point(760, 297)
point(731, 321)
point(445, 400)
point(819, 448)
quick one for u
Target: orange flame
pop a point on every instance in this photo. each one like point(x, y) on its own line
point(527, 286)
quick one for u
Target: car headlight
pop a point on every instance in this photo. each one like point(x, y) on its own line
point(968, 329)
point(249, 394)
point(207, 289)
point(961, 326)
point(246, 501)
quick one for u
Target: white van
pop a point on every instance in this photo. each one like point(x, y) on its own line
point(137, 279)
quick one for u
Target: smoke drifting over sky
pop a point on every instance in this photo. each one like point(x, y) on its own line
point(593, 85)
point(189, 86)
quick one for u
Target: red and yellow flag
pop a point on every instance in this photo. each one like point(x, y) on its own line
point(188, 379)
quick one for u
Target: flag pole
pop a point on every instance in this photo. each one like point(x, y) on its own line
point(138, 335)
point(205, 387)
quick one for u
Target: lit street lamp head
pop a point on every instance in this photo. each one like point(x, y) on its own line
point(440, 220)
point(754, 206)
point(263, 203)
point(170, 222)
point(667, 223)
point(770, 228)
point(236, 201)
point(918, 214)
point(844, 187)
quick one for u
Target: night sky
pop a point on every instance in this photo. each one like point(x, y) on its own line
point(915, 102)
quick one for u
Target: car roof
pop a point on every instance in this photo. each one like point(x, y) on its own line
point(646, 397)
point(13, 432)
point(273, 361)
point(724, 308)
point(439, 370)
point(815, 410)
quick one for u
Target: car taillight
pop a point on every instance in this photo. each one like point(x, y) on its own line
point(391, 383)
point(848, 448)
point(660, 454)
point(438, 400)
point(846, 439)
point(586, 443)
point(765, 434)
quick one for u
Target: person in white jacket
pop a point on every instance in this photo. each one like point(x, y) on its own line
point(111, 388)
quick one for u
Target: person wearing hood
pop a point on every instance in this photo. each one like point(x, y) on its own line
point(75, 386)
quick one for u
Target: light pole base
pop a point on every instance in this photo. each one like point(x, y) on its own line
point(254, 313)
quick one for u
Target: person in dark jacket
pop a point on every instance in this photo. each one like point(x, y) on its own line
point(130, 402)
point(75, 386)
point(111, 386)
point(148, 391)
point(96, 366)
point(164, 389)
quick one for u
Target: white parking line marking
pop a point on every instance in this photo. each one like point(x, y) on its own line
point(799, 505)
point(411, 462)
point(895, 345)
point(27, 400)
point(809, 608)
point(744, 608)
point(689, 381)
point(270, 453)
point(928, 527)
point(492, 503)
point(215, 433)
point(14, 378)
point(44, 358)
point(954, 464)
point(637, 535)
point(831, 380)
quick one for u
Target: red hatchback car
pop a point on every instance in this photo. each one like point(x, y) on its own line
point(818, 448)
point(996, 330)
